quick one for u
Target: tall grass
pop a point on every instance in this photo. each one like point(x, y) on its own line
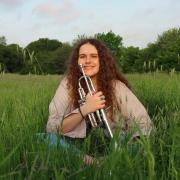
point(24, 110)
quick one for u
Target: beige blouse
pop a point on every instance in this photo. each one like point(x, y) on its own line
point(133, 113)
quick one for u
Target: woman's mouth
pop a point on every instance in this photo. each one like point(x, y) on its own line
point(88, 67)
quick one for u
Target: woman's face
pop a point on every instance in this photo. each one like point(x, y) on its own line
point(88, 57)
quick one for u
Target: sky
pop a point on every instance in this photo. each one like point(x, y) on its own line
point(138, 22)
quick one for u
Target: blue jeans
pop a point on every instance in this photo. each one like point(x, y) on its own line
point(67, 144)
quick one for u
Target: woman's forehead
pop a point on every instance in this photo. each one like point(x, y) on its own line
point(88, 48)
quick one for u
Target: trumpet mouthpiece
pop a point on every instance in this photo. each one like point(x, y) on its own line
point(81, 67)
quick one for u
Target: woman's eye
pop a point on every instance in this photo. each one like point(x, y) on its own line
point(94, 56)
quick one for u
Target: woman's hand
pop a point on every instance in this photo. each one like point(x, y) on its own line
point(93, 103)
point(89, 160)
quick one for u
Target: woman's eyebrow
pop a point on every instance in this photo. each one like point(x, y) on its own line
point(84, 54)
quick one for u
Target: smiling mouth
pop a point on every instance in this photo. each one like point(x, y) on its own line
point(88, 67)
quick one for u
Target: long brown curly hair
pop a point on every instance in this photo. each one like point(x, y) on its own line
point(108, 72)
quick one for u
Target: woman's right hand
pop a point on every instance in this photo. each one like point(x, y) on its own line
point(93, 102)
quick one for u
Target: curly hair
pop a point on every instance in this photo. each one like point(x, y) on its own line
point(107, 73)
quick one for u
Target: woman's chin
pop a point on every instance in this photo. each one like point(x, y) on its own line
point(90, 74)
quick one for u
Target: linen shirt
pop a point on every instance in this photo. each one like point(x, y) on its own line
point(132, 112)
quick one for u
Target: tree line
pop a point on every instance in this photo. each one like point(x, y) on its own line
point(49, 56)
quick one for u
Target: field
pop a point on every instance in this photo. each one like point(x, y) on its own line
point(24, 111)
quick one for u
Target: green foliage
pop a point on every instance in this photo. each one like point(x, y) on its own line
point(169, 49)
point(2, 40)
point(24, 104)
point(30, 62)
point(51, 55)
point(79, 39)
point(54, 61)
point(165, 51)
point(9, 58)
point(130, 60)
point(113, 42)
point(44, 44)
point(60, 58)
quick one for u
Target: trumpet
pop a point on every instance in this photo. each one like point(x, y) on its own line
point(97, 118)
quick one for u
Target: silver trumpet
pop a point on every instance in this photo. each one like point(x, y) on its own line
point(99, 117)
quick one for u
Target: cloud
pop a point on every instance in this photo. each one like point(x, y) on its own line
point(11, 3)
point(59, 12)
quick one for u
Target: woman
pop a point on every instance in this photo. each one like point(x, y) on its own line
point(67, 117)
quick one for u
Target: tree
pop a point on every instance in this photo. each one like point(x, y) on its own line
point(43, 52)
point(44, 44)
point(52, 62)
point(80, 38)
point(113, 42)
point(59, 58)
point(169, 48)
point(149, 57)
point(163, 54)
point(3, 40)
point(130, 60)
point(9, 58)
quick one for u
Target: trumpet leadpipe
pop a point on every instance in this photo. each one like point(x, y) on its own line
point(100, 114)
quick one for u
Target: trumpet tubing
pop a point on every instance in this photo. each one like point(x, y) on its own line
point(98, 117)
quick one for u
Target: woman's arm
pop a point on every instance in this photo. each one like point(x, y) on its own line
point(58, 107)
point(92, 104)
point(133, 110)
point(72, 120)
point(58, 121)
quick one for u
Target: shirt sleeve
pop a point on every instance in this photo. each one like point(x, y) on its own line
point(61, 107)
point(58, 108)
point(134, 111)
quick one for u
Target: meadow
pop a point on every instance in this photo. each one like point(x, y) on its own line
point(24, 101)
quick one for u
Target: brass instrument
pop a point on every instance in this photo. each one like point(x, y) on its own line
point(99, 117)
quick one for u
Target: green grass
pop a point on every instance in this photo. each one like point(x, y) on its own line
point(24, 104)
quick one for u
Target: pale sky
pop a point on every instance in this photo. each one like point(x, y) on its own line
point(138, 22)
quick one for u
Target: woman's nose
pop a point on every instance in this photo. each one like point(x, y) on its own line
point(88, 59)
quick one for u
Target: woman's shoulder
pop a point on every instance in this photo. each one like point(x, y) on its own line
point(63, 81)
point(62, 85)
point(120, 88)
point(119, 85)
point(62, 88)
